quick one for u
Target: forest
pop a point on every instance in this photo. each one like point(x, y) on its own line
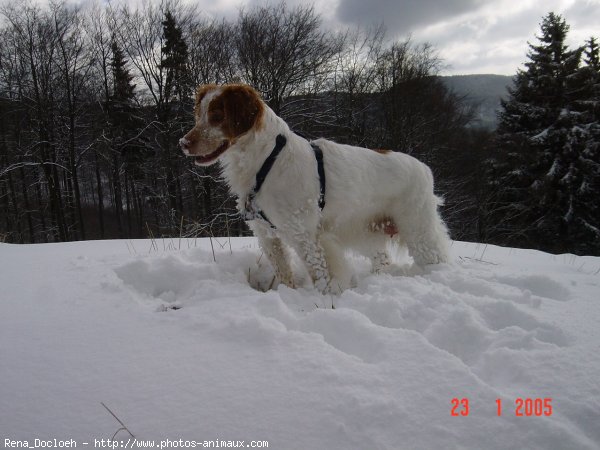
point(94, 98)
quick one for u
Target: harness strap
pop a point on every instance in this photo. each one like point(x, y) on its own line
point(321, 172)
point(280, 142)
point(251, 210)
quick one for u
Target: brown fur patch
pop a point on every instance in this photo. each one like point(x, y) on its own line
point(216, 111)
point(381, 150)
point(242, 107)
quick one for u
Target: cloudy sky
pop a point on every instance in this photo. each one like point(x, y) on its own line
point(472, 36)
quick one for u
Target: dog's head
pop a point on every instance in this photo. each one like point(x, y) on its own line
point(223, 114)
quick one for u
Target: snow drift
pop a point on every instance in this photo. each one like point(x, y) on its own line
point(180, 346)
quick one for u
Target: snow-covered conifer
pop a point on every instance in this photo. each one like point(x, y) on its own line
point(547, 168)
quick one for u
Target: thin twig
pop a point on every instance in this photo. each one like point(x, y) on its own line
point(228, 234)
point(213, 249)
point(180, 231)
point(478, 260)
point(151, 238)
point(483, 253)
point(123, 426)
point(272, 283)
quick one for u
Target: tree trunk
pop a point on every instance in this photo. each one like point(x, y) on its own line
point(118, 200)
point(127, 205)
point(73, 176)
point(15, 207)
point(100, 195)
point(27, 205)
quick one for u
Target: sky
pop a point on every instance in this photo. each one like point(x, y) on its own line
point(472, 36)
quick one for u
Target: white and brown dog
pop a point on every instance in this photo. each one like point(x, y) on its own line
point(370, 198)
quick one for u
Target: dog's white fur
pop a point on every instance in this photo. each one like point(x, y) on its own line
point(370, 196)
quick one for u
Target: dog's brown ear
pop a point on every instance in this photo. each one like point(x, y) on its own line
point(243, 109)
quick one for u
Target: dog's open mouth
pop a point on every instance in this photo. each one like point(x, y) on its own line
point(205, 159)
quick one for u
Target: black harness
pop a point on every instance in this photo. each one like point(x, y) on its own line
point(251, 209)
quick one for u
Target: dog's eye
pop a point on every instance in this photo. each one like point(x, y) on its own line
point(215, 116)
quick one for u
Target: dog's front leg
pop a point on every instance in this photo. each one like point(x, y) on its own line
point(278, 256)
point(313, 255)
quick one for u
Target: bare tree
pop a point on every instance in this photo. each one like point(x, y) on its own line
point(419, 113)
point(35, 44)
point(99, 30)
point(212, 56)
point(284, 52)
point(94, 98)
point(140, 32)
point(73, 68)
point(355, 82)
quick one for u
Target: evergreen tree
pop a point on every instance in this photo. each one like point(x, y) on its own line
point(589, 80)
point(171, 114)
point(123, 89)
point(120, 107)
point(126, 153)
point(592, 58)
point(175, 56)
point(583, 139)
point(545, 173)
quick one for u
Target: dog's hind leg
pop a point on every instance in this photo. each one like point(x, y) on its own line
point(373, 242)
point(342, 276)
point(373, 245)
point(380, 260)
point(426, 235)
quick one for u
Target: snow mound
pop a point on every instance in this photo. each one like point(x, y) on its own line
point(199, 343)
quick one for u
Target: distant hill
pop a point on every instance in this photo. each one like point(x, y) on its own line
point(484, 91)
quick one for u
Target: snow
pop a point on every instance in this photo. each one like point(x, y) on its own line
point(541, 136)
point(179, 346)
